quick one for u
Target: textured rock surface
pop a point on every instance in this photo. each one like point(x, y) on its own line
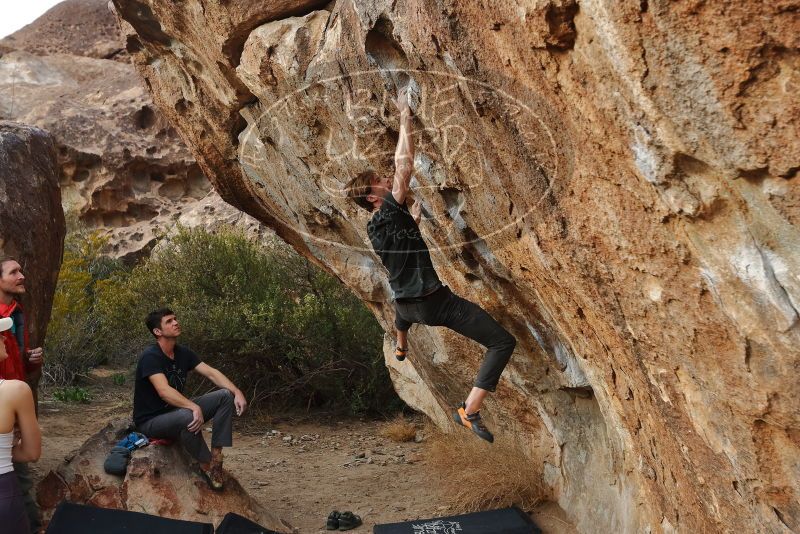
point(31, 219)
point(616, 181)
point(160, 480)
point(75, 27)
point(124, 170)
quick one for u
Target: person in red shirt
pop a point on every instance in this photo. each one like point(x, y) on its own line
point(20, 362)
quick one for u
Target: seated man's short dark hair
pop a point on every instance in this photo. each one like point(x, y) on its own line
point(153, 319)
point(359, 187)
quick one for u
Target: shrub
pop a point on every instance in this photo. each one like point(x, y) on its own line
point(399, 430)
point(286, 332)
point(118, 379)
point(485, 476)
point(72, 394)
point(74, 328)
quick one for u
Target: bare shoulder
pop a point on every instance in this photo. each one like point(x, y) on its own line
point(15, 389)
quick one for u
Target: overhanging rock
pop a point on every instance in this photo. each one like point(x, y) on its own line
point(616, 181)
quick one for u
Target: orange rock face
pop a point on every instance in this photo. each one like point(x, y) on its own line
point(615, 181)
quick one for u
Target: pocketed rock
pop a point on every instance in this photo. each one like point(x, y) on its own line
point(124, 171)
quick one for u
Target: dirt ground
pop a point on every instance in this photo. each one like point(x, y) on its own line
point(299, 468)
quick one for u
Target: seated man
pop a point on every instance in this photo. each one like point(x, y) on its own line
point(161, 411)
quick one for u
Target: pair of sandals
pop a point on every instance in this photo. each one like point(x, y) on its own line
point(342, 521)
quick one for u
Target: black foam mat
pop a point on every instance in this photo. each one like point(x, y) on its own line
point(72, 518)
point(504, 521)
point(235, 524)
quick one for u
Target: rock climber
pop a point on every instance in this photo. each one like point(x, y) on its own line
point(419, 295)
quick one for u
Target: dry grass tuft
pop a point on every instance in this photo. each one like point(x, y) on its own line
point(475, 475)
point(399, 430)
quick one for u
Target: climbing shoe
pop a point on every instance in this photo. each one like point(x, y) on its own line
point(472, 421)
point(400, 353)
point(348, 521)
point(333, 521)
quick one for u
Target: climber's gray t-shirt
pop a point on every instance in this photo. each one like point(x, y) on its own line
point(396, 239)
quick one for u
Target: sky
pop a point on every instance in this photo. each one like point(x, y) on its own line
point(16, 14)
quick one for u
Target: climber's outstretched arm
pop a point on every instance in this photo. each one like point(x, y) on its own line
point(404, 154)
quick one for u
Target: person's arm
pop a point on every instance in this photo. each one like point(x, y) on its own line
point(173, 397)
point(222, 381)
point(3, 353)
point(404, 153)
point(29, 447)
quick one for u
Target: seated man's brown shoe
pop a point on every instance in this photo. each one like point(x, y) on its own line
point(214, 475)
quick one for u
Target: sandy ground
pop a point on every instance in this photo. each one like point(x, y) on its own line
point(298, 468)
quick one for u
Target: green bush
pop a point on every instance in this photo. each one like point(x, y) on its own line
point(284, 331)
point(118, 379)
point(72, 394)
point(75, 327)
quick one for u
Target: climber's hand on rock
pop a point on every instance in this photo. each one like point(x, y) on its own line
point(402, 101)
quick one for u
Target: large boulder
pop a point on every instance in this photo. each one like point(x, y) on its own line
point(615, 181)
point(160, 480)
point(31, 219)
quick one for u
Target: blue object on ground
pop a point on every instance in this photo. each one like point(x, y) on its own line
point(133, 441)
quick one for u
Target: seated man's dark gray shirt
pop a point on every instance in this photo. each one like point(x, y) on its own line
point(147, 403)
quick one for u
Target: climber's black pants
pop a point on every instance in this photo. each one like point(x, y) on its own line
point(444, 308)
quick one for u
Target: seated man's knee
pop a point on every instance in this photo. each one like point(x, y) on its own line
point(227, 395)
point(184, 416)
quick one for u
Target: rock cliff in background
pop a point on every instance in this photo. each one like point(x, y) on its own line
point(615, 181)
point(75, 27)
point(124, 170)
point(31, 220)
